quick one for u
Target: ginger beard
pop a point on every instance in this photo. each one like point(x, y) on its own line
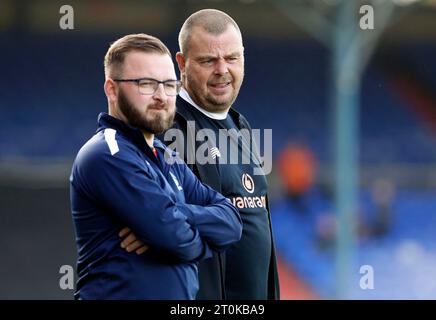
point(154, 118)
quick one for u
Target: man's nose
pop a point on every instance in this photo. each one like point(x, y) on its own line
point(221, 67)
point(160, 92)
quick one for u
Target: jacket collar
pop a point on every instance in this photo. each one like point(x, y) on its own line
point(217, 116)
point(184, 107)
point(107, 121)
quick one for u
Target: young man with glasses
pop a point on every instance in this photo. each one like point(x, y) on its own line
point(120, 178)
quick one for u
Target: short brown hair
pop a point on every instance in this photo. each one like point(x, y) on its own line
point(114, 58)
point(211, 20)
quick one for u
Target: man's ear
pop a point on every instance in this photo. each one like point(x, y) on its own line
point(180, 58)
point(110, 90)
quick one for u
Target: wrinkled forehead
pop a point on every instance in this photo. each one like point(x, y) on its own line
point(205, 43)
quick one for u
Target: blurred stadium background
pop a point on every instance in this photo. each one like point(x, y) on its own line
point(51, 93)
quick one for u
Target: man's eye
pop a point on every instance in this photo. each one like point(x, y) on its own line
point(170, 85)
point(146, 84)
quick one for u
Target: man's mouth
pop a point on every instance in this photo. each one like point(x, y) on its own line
point(157, 107)
point(220, 87)
point(220, 84)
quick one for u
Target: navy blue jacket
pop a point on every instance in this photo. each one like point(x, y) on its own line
point(117, 181)
point(212, 272)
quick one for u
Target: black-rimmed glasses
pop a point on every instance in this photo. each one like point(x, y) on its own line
point(148, 86)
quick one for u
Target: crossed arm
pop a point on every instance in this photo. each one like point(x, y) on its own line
point(216, 219)
point(188, 230)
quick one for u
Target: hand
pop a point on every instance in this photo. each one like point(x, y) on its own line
point(131, 243)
